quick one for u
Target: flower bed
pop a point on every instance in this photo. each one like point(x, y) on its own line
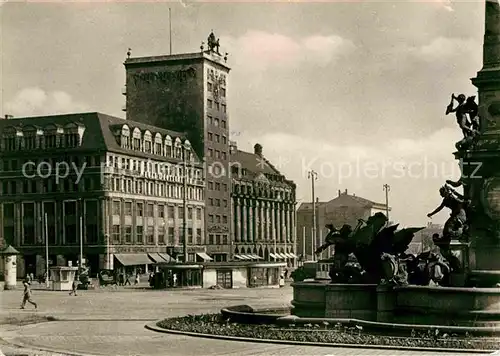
point(216, 324)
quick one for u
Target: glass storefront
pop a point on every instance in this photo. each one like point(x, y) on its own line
point(263, 276)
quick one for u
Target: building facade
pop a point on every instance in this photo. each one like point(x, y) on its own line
point(344, 209)
point(116, 185)
point(188, 93)
point(263, 205)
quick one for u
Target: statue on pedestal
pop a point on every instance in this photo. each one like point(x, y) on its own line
point(467, 118)
point(456, 225)
point(213, 43)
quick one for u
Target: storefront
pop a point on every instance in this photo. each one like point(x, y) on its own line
point(178, 275)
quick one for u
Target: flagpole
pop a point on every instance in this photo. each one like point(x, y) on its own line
point(46, 252)
point(170, 24)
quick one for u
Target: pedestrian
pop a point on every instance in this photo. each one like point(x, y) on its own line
point(127, 280)
point(137, 279)
point(27, 295)
point(74, 287)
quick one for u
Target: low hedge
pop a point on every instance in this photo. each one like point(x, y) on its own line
point(216, 324)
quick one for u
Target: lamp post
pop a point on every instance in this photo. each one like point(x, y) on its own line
point(184, 203)
point(312, 175)
point(387, 189)
point(46, 252)
point(80, 259)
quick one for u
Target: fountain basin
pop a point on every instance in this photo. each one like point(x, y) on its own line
point(423, 305)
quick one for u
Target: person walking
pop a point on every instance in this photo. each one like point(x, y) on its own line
point(74, 287)
point(127, 280)
point(137, 279)
point(27, 295)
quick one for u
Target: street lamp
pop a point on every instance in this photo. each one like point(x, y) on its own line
point(185, 150)
point(387, 189)
point(312, 175)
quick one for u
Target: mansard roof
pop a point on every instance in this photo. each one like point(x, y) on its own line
point(256, 166)
point(99, 130)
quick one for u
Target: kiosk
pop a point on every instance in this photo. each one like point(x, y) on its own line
point(62, 277)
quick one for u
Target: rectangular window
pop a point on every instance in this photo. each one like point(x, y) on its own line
point(217, 186)
point(210, 239)
point(210, 152)
point(223, 122)
point(209, 86)
point(224, 219)
point(190, 236)
point(198, 214)
point(140, 209)
point(210, 185)
point(210, 218)
point(128, 234)
point(116, 234)
point(217, 138)
point(217, 106)
point(210, 136)
point(224, 140)
point(198, 237)
point(161, 211)
point(150, 211)
point(128, 208)
point(28, 220)
point(222, 92)
point(150, 235)
point(217, 219)
point(139, 234)
point(224, 156)
point(181, 212)
point(116, 208)
point(209, 103)
point(171, 212)
point(216, 122)
point(210, 120)
point(190, 213)
point(171, 236)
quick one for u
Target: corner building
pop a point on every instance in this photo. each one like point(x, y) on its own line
point(126, 203)
point(188, 93)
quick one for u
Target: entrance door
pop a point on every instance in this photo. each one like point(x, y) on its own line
point(225, 279)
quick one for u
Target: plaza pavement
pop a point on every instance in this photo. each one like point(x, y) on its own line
point(111, 322)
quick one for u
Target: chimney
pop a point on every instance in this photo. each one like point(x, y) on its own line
point(7, 116)
point(345, 192)
point(317, 200)
point(339, 193)
point(257, 149)
point(232, 147)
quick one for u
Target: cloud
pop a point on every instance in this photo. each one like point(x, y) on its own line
point(262, 50)
point(415, 169)
point(443, 48)
point(37, 102)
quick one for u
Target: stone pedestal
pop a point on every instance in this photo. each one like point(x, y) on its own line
point(480, 169)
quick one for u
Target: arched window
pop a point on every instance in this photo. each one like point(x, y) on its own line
point(136, 139)
point(168, 146)
point(125, 137)
point(148, 145)
point(158, 145)
point(31, 137)
point(71, 136)
point(178, 148)
point(52, 135)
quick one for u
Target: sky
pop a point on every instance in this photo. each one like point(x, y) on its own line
point(353, 90)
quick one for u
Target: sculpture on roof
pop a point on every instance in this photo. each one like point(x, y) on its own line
point(213, 43)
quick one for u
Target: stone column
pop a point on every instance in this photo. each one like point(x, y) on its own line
point(244, 222)
point(237, 230)
point(251, 221)
point(268, 221)
point(282, 221)
point(262, 221)
point(256, 213)
point(273, 221)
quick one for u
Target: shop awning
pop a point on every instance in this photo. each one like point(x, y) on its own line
point(241, 257)
point(255, 257)
point(133, 259)
point(204, 256)
point(282, 255)
point(273, 255)
point(160, 258)
point(293, 255)
point(288, 255)
point(167, 257)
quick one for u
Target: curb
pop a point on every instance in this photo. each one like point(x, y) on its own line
point(153, 327)
point(38, 348)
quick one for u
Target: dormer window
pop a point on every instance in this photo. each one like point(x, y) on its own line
point(168, 146)
point(125, 137)
point(158, 145)
point(136, 139)
point(147, 142)
point(178, 148)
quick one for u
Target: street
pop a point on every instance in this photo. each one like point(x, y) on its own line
point(111, 322)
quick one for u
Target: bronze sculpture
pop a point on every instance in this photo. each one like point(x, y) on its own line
point(467, 119)
point(213, 43)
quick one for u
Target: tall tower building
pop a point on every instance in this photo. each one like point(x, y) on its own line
point(187, 93)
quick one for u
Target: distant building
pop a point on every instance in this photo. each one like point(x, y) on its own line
point(263, 205)
point(344, 209)
point(128, 196)
point(423, 239)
